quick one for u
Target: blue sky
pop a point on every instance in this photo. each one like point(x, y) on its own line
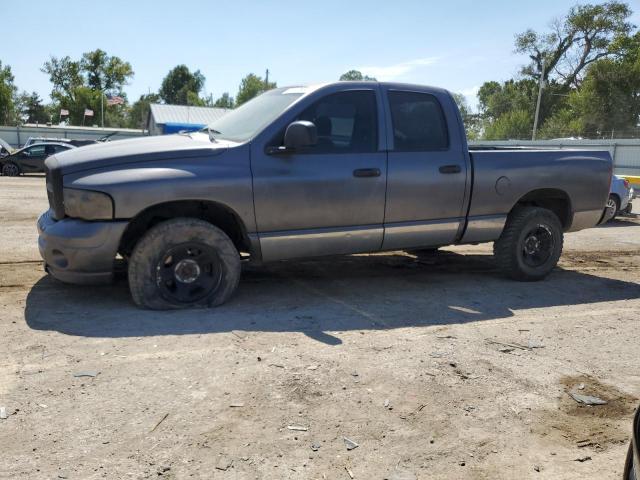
point(457, 44)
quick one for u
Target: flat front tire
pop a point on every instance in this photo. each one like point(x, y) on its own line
point(183, 263)
point(530, 245)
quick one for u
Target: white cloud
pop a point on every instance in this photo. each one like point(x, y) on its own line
point(394, 72)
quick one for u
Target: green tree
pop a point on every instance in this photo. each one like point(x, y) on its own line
point(564, 123)
point(182, 87)
point(104, 72)
point(80, 84)
point(471, 121)
point(495, 99)
point(356, 75)
point(139, 111)
point(7, 96)
point(225, 101)
point(31, 108)
point(251, 86)
point(515, 124)
point(609, 98)
point(585, 35)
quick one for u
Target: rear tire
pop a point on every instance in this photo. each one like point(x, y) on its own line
point(10, 170)
point(530, 245)
point(611, 209)
point(183, 263)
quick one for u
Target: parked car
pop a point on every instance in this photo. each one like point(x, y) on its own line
point(71, 141)
point(342, 168)
point(620, 198)
point(5, 148)
point(632, 465)
point(30, 159)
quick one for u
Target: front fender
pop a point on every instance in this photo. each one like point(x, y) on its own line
point(225, 179)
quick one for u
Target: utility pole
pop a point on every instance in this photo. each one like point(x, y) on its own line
point(266, 80)
point(535, 120)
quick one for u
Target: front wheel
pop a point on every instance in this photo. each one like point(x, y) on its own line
point(530, 245)
point(182, 263)
point(10, 170)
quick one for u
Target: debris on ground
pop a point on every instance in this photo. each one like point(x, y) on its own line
point(297, 428)
point(3, 413)
point(239, 334)
point(224, 464)
point(399, 474)
point(350, 444)
point(86, 373)
point(582, 459)
point(236, 405)
point(587, 399)
point(507, 345)
point(349, 472)
point(534, 344)
point(315, 447)
point(159, 422)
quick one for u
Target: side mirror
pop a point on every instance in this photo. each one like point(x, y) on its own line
point(300, 134)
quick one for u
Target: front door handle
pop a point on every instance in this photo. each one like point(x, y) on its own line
point(366, 172)
point(450, 169)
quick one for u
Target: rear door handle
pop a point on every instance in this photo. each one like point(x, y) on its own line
point(366, 172)
point(450, 169)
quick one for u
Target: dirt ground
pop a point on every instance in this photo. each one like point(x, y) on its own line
point(435, 366)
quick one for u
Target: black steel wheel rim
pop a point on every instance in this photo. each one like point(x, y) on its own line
point(188, 273)
point(537, 246)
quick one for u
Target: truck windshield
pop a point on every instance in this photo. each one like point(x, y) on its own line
point(246, 121)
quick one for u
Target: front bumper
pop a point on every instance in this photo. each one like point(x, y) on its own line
point(77, 251)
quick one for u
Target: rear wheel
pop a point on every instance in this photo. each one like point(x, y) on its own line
point(530, 245)
point(611, 208)
point(182, 263)
point(10, 170)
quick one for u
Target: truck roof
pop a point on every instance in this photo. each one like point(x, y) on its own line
point(310, 87)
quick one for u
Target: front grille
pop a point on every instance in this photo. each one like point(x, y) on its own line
point(54, 188)
point(49, 186)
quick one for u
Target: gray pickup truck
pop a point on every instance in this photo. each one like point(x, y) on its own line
point(339, 168)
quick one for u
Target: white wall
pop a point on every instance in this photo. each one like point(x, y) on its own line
point(17, 136)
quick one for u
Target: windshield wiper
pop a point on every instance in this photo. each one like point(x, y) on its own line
point(211, 132)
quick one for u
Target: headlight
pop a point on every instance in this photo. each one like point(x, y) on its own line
point(87, 205)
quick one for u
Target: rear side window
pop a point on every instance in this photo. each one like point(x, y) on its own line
point(418, 122)
point(346, 122)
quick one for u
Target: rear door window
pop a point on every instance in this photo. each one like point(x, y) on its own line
point(418, 122)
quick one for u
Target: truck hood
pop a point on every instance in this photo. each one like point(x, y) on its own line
point(136, 150)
